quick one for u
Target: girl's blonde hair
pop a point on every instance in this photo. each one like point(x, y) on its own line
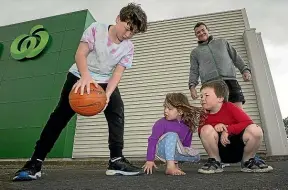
point(192, 116)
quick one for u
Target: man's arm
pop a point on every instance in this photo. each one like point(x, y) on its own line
point(237, 60)
point(194, 71)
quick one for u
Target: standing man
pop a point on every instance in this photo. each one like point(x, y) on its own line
point(214, 59)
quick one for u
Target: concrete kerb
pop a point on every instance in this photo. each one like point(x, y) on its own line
point(102, 162)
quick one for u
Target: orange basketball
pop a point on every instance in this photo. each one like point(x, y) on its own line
point(88, 104)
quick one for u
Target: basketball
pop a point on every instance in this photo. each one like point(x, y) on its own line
point(88, 104)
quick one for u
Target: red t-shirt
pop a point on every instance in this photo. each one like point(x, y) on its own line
point(231, 115)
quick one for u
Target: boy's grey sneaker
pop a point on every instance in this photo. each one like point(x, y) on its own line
point(30, 171)
point(255, 165)
point(211, 166)
point(121, 166)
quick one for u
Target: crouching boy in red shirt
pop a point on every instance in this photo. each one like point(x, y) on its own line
point(228, 134)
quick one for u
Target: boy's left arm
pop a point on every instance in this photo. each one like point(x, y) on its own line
point(242, 120)
point(114, 80)
point(125, 62)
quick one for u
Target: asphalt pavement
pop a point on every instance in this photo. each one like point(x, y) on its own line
point(92, 176)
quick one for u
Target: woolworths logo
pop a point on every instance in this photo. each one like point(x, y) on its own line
point(29, 46)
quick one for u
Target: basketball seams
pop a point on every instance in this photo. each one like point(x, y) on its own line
point(88, 104)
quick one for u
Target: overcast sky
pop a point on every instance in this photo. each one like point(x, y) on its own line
point(267, 16)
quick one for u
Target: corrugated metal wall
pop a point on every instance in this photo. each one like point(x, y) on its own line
point(161, 65)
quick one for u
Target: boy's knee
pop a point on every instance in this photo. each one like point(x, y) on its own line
point(254, 130)
point(208, 130)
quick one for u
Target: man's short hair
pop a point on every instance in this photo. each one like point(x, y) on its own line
point(199, 24)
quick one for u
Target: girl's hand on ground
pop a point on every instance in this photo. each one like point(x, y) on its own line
point(148, 167)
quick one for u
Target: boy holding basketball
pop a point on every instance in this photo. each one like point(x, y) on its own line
point(228, 134)
point(105, 51)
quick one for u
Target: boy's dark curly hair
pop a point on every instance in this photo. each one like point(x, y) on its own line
point(135, 17)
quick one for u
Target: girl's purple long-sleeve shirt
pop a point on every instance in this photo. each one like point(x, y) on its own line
point(163, 126)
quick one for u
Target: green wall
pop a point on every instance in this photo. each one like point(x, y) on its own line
point(30, 89)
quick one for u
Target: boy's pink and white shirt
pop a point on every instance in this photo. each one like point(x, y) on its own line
point(104, 55)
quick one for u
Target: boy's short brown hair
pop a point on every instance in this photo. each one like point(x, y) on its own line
point(220, 88)
point(135, 17)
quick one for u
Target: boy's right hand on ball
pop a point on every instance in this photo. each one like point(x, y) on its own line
point(148, 167)
point(83, 82)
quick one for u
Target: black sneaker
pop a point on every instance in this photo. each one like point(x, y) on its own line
point(30, 171)
point(255, 165)
point(211, 166)
point(121, 166)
